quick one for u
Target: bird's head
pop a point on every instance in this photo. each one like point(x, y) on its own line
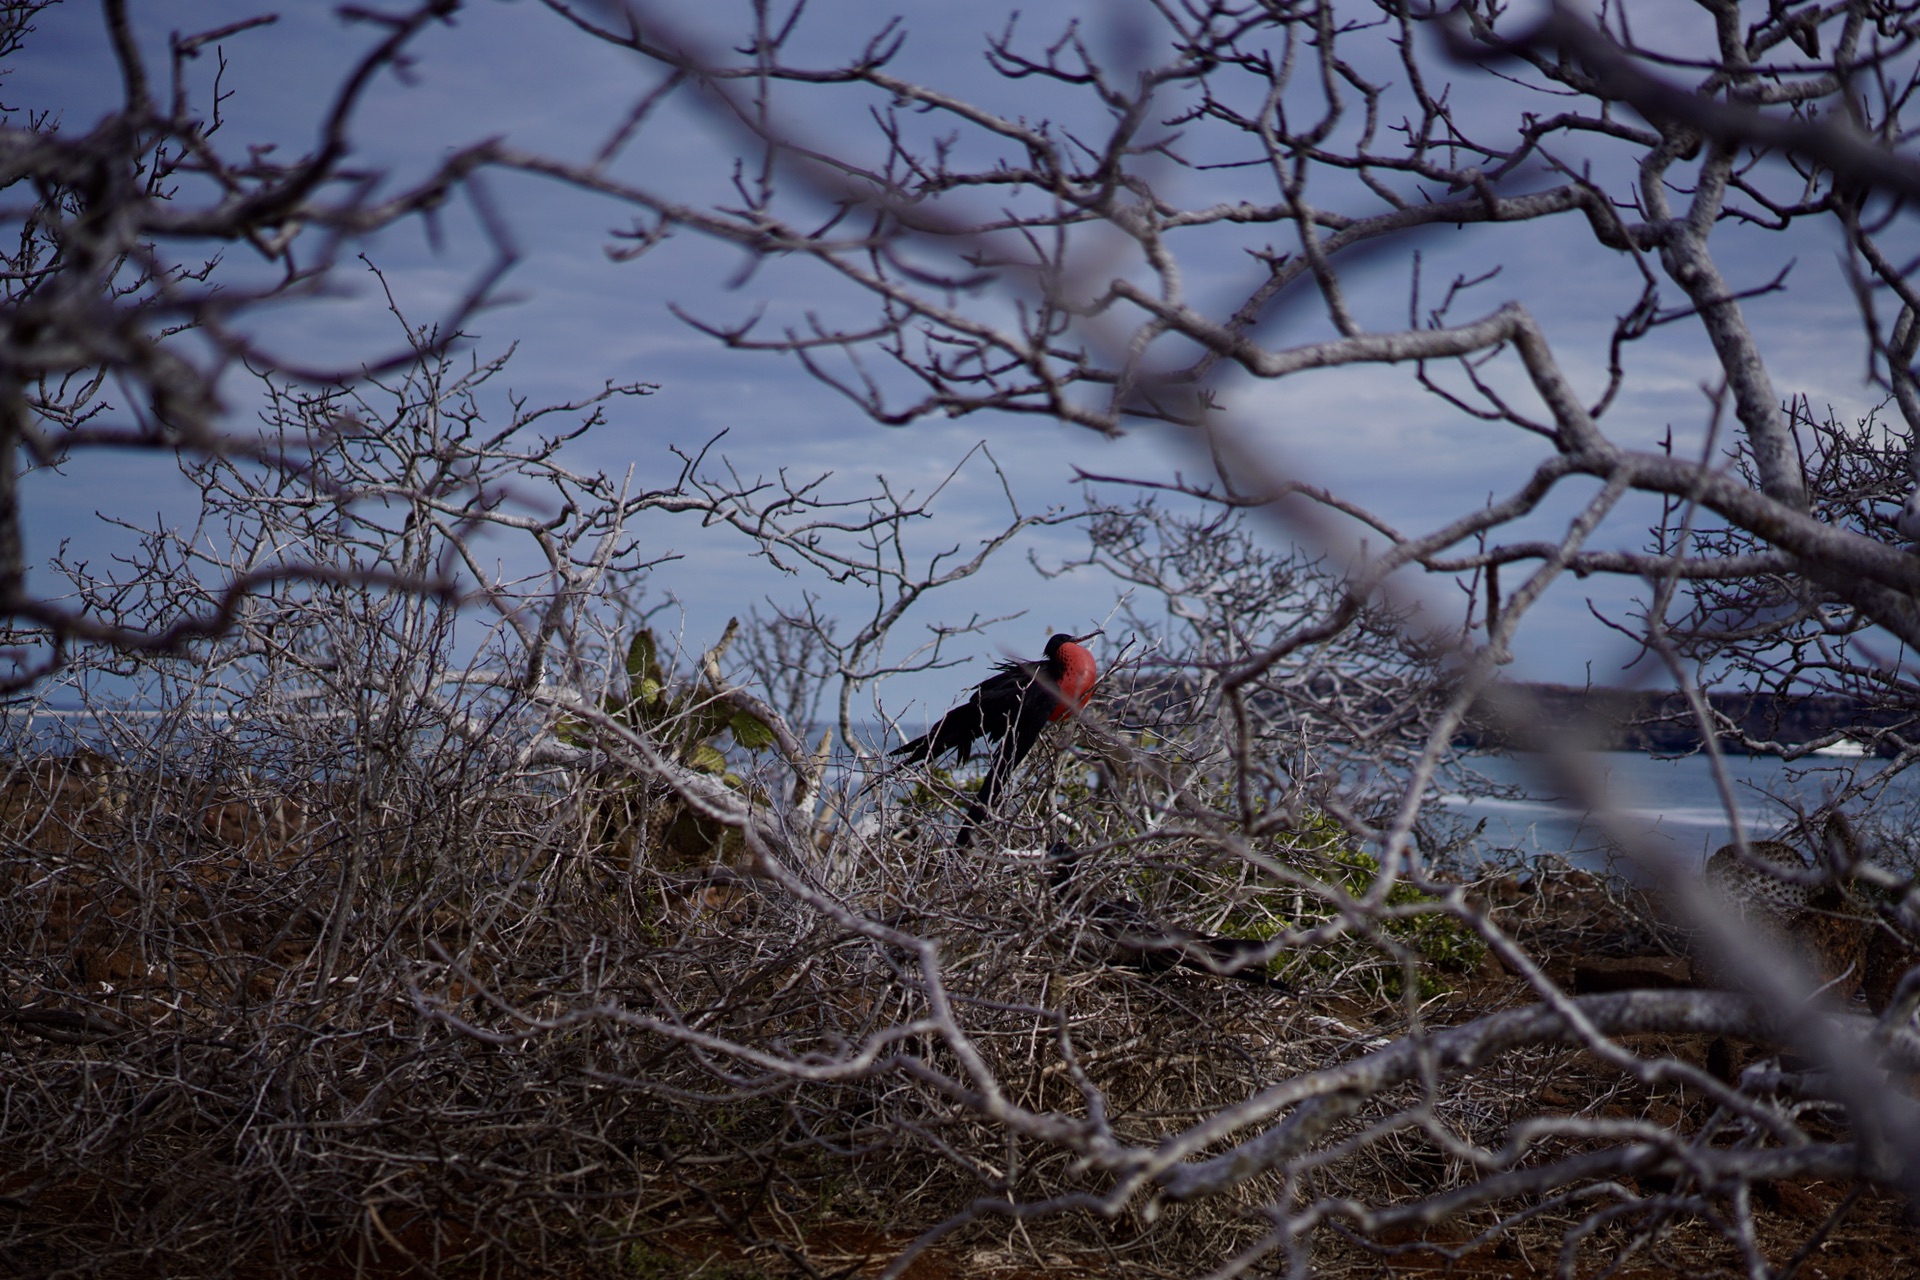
point(1061, 638)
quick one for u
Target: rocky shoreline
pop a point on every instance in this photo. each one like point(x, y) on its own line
point(1660, 722)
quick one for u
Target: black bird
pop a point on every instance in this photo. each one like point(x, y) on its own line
point(1154, 947)
point(1011, 707)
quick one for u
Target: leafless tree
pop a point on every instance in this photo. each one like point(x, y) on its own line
point(361, 805)
point(801, 653)
point(1039, 262)
point(1207, 595)
point(123, 323)
point(847, 1020)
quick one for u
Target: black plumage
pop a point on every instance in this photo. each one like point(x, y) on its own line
point(1010, 708)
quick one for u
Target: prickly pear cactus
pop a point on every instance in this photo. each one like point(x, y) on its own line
point(638, 817)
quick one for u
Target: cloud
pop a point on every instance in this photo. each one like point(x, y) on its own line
point(579, 319)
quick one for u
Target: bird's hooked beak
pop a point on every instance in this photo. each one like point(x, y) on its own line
point(1098, 631)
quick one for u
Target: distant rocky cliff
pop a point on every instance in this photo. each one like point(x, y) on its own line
point(1637, 720)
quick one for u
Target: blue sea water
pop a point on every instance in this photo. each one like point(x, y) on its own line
point(1669, 807)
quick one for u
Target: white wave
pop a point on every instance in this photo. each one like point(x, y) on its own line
point(1695, 815)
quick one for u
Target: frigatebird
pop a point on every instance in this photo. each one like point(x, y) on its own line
point(1010, 707)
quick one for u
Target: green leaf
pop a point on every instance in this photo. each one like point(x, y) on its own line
point(712, 720)
point(751, 732)
point(642, 656)
point(707, 758)
point(644, 677)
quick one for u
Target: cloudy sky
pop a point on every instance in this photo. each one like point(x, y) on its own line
point(578, 319)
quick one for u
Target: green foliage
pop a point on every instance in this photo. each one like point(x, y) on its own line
point(1442, 944)
point(1319, 849)
point(689, 723)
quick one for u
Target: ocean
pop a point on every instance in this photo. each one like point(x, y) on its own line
point(1668, 806)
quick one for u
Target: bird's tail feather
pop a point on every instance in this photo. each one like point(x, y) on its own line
point(921, 748)
point(982, 803)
